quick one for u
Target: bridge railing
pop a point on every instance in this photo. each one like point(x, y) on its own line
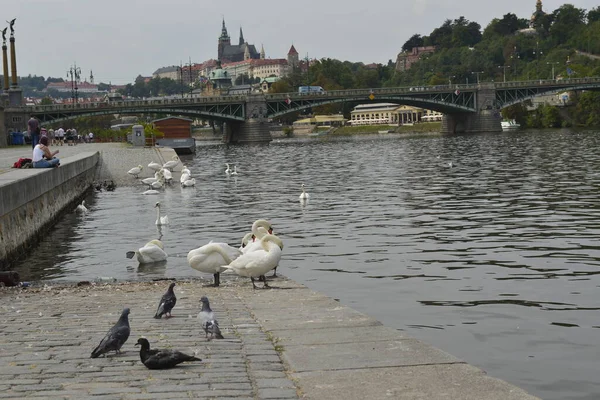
point(546, 82)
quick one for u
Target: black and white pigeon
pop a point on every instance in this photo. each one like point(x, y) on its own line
point(161, 358)
point(167, 302)
point(208, 321)
point(116, 336)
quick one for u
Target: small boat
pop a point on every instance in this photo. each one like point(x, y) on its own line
point(510, 125)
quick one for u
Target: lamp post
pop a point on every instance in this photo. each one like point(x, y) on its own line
point(553, 64)
point(450, 80)
point(514, 58)
point(477, 73)
point(504, 71)
point(74, 73)
point(537, 53)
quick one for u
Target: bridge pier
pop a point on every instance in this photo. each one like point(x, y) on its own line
point(486, 119)
point(251, 131)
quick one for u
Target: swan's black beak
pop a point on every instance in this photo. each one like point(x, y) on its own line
point(137, 344)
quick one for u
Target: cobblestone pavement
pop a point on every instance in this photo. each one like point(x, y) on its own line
point(48, 333)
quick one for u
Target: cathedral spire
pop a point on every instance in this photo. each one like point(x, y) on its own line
point(262, 52)
point(242, 41)
point(224, 33)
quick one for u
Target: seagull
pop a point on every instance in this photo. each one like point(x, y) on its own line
point(450, 165)
point(135, 171)
point(161, 358)
point(234, 170)
point(81, 208)
point(115, 338)
point(208, 321)
point(167, 302)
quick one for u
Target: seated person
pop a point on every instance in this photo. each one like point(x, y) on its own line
point(42, 156)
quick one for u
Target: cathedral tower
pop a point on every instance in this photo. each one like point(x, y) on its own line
point(224, 40)
point(242, 41)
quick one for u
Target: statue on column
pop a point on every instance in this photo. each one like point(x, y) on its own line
point(4, 36)
point(12, 30)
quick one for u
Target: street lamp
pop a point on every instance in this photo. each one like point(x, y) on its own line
point(477, 73)
point(553, 64)
point(537, 53)
point(450, 80)
point(504, 70)
point(74, 73)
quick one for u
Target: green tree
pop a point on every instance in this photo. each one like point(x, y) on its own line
point(415, 41)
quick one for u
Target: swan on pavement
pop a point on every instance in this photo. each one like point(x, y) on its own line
point(154, 166)
point(169, 165)
point(211, 257)
point(135, 171)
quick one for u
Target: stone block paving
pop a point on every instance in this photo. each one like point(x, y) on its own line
point(47, 334)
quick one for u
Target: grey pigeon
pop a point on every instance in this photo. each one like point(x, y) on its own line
point(167, 302)
point(116, 336)
point(208, 321)
point(161, 358)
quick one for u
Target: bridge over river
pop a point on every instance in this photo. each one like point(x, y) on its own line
point(466, 108)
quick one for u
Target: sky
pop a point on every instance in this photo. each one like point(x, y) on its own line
point(121, 39)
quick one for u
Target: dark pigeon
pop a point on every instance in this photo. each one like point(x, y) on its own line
point(116, 336)
point(208, 321)
point(161, 358)
point(167, 302)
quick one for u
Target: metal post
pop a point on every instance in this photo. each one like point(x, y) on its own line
point(504, 71)
point(477, 73)
point(553, 64)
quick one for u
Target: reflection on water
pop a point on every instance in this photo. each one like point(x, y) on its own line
point(495, 259)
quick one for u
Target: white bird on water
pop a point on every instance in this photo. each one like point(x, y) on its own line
point(135, 171)
point(81, 208)
point(227, 170)
point(160, 220)
point(153, 251)
point(304, 195)
point(189, 183)
point(234, 170)
point(151, 191)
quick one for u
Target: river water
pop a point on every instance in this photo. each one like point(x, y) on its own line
point(485, 246)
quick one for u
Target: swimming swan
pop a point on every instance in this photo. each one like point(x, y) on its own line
point(211, 257)
point(153, 251)
point(304, 195)
point(160, 220)
point(227, 170)
point(189, 183)
point(258, 262)
point(151, 191)
point(234, 170)
point(135, 171)
point(81, 208)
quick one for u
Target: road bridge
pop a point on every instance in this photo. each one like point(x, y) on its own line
point(466, 108)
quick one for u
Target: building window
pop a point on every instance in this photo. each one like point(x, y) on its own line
point(17, 120)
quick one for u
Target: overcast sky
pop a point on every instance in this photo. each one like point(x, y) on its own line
point(120, 39)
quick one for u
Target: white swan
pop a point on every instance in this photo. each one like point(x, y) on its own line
point(160, 220)
point(304, 195)
point(169, 165)
point(153, 251)
point(81, 208)
point(167, 174)
point(246, 240)
point(211, 257)
point(234, 170)
point(185, 170)
point(157, 184)
point(189, 183)
point(184, 177)
point(135, 171)
point(227, 170)
point(254, 243)
point(259, 262)
point(154, 166)
point(151, 191)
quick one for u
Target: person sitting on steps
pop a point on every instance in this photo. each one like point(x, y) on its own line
point(43, 157)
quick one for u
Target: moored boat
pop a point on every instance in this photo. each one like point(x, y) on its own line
point(510, 125)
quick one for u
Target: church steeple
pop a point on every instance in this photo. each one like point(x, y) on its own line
point(242, 41)
point(262, 52)
point(223, 40)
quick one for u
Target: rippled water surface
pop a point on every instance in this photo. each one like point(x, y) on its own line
point(494, 259)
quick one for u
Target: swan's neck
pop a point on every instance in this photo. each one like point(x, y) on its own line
point(158, 213)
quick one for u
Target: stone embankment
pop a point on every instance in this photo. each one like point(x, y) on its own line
point(284, 343)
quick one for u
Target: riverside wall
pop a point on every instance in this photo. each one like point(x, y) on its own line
point(31, 200)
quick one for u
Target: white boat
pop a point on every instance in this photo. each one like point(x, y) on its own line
point(510, 125)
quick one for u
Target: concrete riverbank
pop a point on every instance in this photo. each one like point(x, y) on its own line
point(282, 343)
